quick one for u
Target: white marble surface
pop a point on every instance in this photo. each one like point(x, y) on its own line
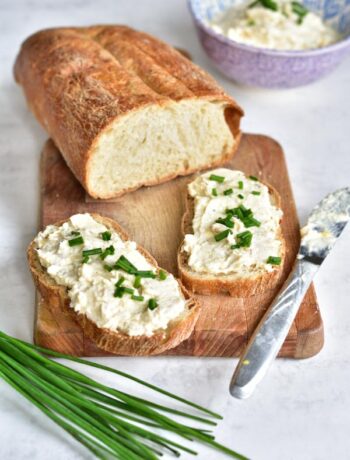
point(301, 411)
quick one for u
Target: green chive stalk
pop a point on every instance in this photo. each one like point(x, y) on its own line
point(110, 423)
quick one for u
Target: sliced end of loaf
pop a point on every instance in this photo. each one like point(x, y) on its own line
point(56, 298)
point(157, 143)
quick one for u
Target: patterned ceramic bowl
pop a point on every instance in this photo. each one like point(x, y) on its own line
point(268, 68)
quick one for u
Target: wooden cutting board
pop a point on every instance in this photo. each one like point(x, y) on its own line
point(152, 217)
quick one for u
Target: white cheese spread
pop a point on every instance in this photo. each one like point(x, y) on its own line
point(207, 252)
point(91, 287)
point(283, 29)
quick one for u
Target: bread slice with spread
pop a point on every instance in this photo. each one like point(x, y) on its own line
point(233, 241)
point(124, 302)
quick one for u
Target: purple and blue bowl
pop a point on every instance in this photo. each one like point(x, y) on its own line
point(266, 68)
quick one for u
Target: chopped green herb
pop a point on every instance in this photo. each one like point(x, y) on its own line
point(229, 191)
point(216, 178)
point(227, 222)
point(85, 260)
point(145, 274)
point(119, 292)
point(240, 196)
point(269, 4)
point(243, 240)
point(75, 233)
point(152, 304)
point(240, 185)
point(107, 252)
point(137, 282)
point(274, 260)
point(222, 235)
point(124, 264)
point(162, 275)
point(300, 11)
point(138, 298)
point(253, 178)
point(256, 193)
point(92, 252)
point(120, 281)
point(251, 222)
point(214, 192)
point(109, 268)
point(106, 236)
point(76, 241)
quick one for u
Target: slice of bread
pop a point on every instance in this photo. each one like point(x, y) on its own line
point(236, 284)
point(56, 298)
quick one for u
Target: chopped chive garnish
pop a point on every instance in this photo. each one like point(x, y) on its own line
point(119, 292)
point(76, 241)
point(251, 222)
point(216, 178)
point(256, 193)
point(162, 275)
point(145, 274)
point(92, 252)
point(253, 178)
point(243, 240)
point(240, 185)
point(240, 196)
point(138, 298)
point(137, 282)
point(300, 11)
point(269, 4)
point(128, 290)
point(120, 281)
point(124, 264)
point(109, 268)
point(85, 260)
point(106, 236)
point(227, 222)
point(274, 260)
point(75, 233)
point(152, 304)
point(214, 192)
point(229, 191)
point(222, 235)
point(107, 252)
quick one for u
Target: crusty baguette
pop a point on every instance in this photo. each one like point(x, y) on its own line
point(56, 298)
point(124, 108)
point(206, 284)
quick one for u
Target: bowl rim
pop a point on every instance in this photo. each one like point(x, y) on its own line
point(270, 51)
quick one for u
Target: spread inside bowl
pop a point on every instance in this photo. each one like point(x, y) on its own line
point(275, 24)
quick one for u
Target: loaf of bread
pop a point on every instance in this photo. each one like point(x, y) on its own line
point(233, 242)
point(87, 267)
point(124, 108)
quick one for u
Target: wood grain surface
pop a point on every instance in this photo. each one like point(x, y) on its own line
point(152, 217)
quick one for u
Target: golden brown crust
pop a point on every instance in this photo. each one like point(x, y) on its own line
point(224, 284)
point(78, 81)
point(56, 298)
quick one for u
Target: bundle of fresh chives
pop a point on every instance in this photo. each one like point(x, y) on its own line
point(107, 421)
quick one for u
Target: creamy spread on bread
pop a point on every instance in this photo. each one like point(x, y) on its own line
point(275, 24)
point(236, 227)
point(105, 294)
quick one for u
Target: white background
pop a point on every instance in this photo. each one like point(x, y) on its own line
point(302, 409)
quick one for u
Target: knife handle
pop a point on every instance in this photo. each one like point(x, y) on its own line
point(272, 330)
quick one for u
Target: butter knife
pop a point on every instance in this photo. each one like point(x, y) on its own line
point(324, 226)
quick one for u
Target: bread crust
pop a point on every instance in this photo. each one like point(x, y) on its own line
point(78, 81)
point(207, 284)
point(56, 298)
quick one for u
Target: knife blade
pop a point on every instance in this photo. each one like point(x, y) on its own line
point(324, 226)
